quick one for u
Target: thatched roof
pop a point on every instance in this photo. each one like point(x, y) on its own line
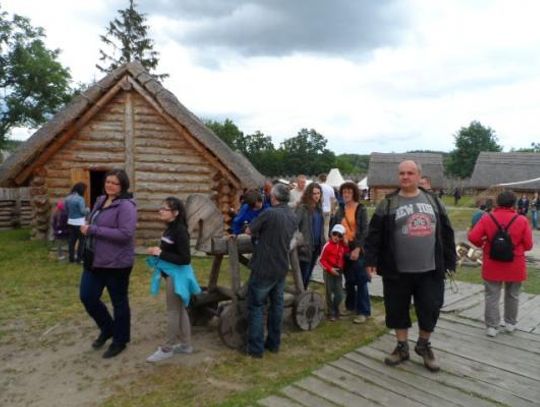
point(31, 149)
point(383, 168)
point(498, 168)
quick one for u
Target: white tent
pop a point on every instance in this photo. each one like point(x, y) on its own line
point(363, 184)
point(334, 178)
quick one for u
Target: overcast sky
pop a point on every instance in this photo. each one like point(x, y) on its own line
point(370, 75)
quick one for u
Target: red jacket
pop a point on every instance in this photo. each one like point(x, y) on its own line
point(333, 255)
point(521, 234)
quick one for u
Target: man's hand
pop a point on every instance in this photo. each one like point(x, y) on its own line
point(355, 254)
point(372, 271)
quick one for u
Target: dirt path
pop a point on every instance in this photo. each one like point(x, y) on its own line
point(59, 367)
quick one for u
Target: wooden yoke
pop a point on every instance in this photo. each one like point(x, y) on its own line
point(204, 219)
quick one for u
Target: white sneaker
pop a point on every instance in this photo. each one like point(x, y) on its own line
point(510, 328)
point(491, 332)
point(160, 354)
point(182, 348)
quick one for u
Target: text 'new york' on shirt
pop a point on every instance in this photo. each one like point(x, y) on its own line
point(414, 234)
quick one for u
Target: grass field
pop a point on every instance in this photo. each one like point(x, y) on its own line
point(474, 275)
point(37, 292)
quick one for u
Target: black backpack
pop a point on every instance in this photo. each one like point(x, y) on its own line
point(502, 248)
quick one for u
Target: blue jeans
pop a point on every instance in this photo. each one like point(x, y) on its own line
point(534, 216)
point(117, 283)
point(306, 267)
point(356, 287)
point(258, 293)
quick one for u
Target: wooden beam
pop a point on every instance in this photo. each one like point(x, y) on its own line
point(56, 145)
point(129, 139)
point(177, 126)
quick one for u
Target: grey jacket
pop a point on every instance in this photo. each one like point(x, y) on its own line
point(305, 225)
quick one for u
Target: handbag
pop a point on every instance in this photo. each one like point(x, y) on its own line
point(87, 255)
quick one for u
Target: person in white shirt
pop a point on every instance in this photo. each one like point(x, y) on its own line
point(296, 193)
point(328, 202)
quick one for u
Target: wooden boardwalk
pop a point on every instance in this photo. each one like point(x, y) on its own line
point(475, 370)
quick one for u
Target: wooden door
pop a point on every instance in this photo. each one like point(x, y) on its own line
point(82, 175)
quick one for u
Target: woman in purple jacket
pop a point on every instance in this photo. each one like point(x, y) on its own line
point(108, 258)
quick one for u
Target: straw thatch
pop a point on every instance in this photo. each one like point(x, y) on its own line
point(492, 169)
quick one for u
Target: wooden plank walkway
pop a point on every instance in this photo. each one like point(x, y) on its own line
point(468, 302)
point(475, 371)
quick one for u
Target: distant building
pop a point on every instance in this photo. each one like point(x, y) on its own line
point(383, 171)
point(520, 170)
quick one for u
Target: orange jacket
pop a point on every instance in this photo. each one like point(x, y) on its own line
point(520, 232)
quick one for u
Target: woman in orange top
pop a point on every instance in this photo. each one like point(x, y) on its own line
point(353, 217)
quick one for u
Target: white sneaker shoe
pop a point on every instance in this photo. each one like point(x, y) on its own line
point(182, 348)
point(491, 332)
point(510, 328)
point(160, 354)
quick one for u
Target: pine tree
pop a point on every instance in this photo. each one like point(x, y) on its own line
point(127, 35)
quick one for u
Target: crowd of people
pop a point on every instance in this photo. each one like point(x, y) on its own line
point(409, 242)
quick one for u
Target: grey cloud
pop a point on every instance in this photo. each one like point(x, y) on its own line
point(284, 27)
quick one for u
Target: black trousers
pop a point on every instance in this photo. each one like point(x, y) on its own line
point(75, 236)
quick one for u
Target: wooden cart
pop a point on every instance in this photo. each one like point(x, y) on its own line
point(228, 303)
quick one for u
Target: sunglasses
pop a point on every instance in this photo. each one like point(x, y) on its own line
point(337, 234)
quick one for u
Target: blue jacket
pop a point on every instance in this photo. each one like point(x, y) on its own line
point(244, 217)
point(75, 206)
point(185, 282)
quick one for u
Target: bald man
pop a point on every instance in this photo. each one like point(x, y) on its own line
point(411, 245)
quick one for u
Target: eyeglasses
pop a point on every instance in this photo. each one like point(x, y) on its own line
point(340, 235)
point(164, 209)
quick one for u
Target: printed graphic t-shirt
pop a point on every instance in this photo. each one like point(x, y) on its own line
point(414, 235)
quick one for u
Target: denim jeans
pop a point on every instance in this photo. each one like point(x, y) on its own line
point(259, 291)
point(356, 287)
point(117, 283)
point(534, 216)
point(306, 267)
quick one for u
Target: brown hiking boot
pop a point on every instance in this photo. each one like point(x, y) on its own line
point(400, 354)
point(424, 349)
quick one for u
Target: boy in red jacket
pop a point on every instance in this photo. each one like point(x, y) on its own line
point(332, 261)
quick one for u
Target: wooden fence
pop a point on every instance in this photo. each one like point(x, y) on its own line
point(15, 208)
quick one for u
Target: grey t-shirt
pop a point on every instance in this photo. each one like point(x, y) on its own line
point(414, 235)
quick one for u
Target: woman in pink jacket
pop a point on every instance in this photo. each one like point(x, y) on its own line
point(496, 273)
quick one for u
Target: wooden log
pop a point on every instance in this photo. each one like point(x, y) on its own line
point(129, 139)
point(220, 245)
point(160, 178)
point(184, 168)
point(174, 159)
point(160, 143)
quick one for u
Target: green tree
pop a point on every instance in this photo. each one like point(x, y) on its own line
point(469, 142)
point(534, 148)
point(33, 84)
point(307, 153)
point(229, 133)
point(127, 37)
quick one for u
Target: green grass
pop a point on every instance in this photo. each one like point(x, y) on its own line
point(474, 275)
point(38, 291)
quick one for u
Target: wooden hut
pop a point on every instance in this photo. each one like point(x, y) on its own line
point(517, 169)
point(383, 171)
point(127, 120)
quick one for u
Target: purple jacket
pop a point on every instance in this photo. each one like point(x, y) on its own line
point(114, 233)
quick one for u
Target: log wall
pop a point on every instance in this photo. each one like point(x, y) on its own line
point(15, 208)
point(129, 133)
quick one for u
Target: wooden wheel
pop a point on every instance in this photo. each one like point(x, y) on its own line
point(233, 324)
point(308, 310)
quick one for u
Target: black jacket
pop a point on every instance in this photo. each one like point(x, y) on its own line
point(379, 247)
point(361, 225)
point(175, 244)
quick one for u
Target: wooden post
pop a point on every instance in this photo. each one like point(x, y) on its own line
point(17, 211)
point(214, 273)
point(234, 265)
point(297, 274)
point(130, 140)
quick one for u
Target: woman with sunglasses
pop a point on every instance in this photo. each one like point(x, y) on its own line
point(353, 217)
point(172, 261)
point(311, 225)
point(108, 256)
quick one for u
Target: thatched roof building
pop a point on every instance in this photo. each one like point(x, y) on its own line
point(383, 169)
point(128, 120)
point(492, 169)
